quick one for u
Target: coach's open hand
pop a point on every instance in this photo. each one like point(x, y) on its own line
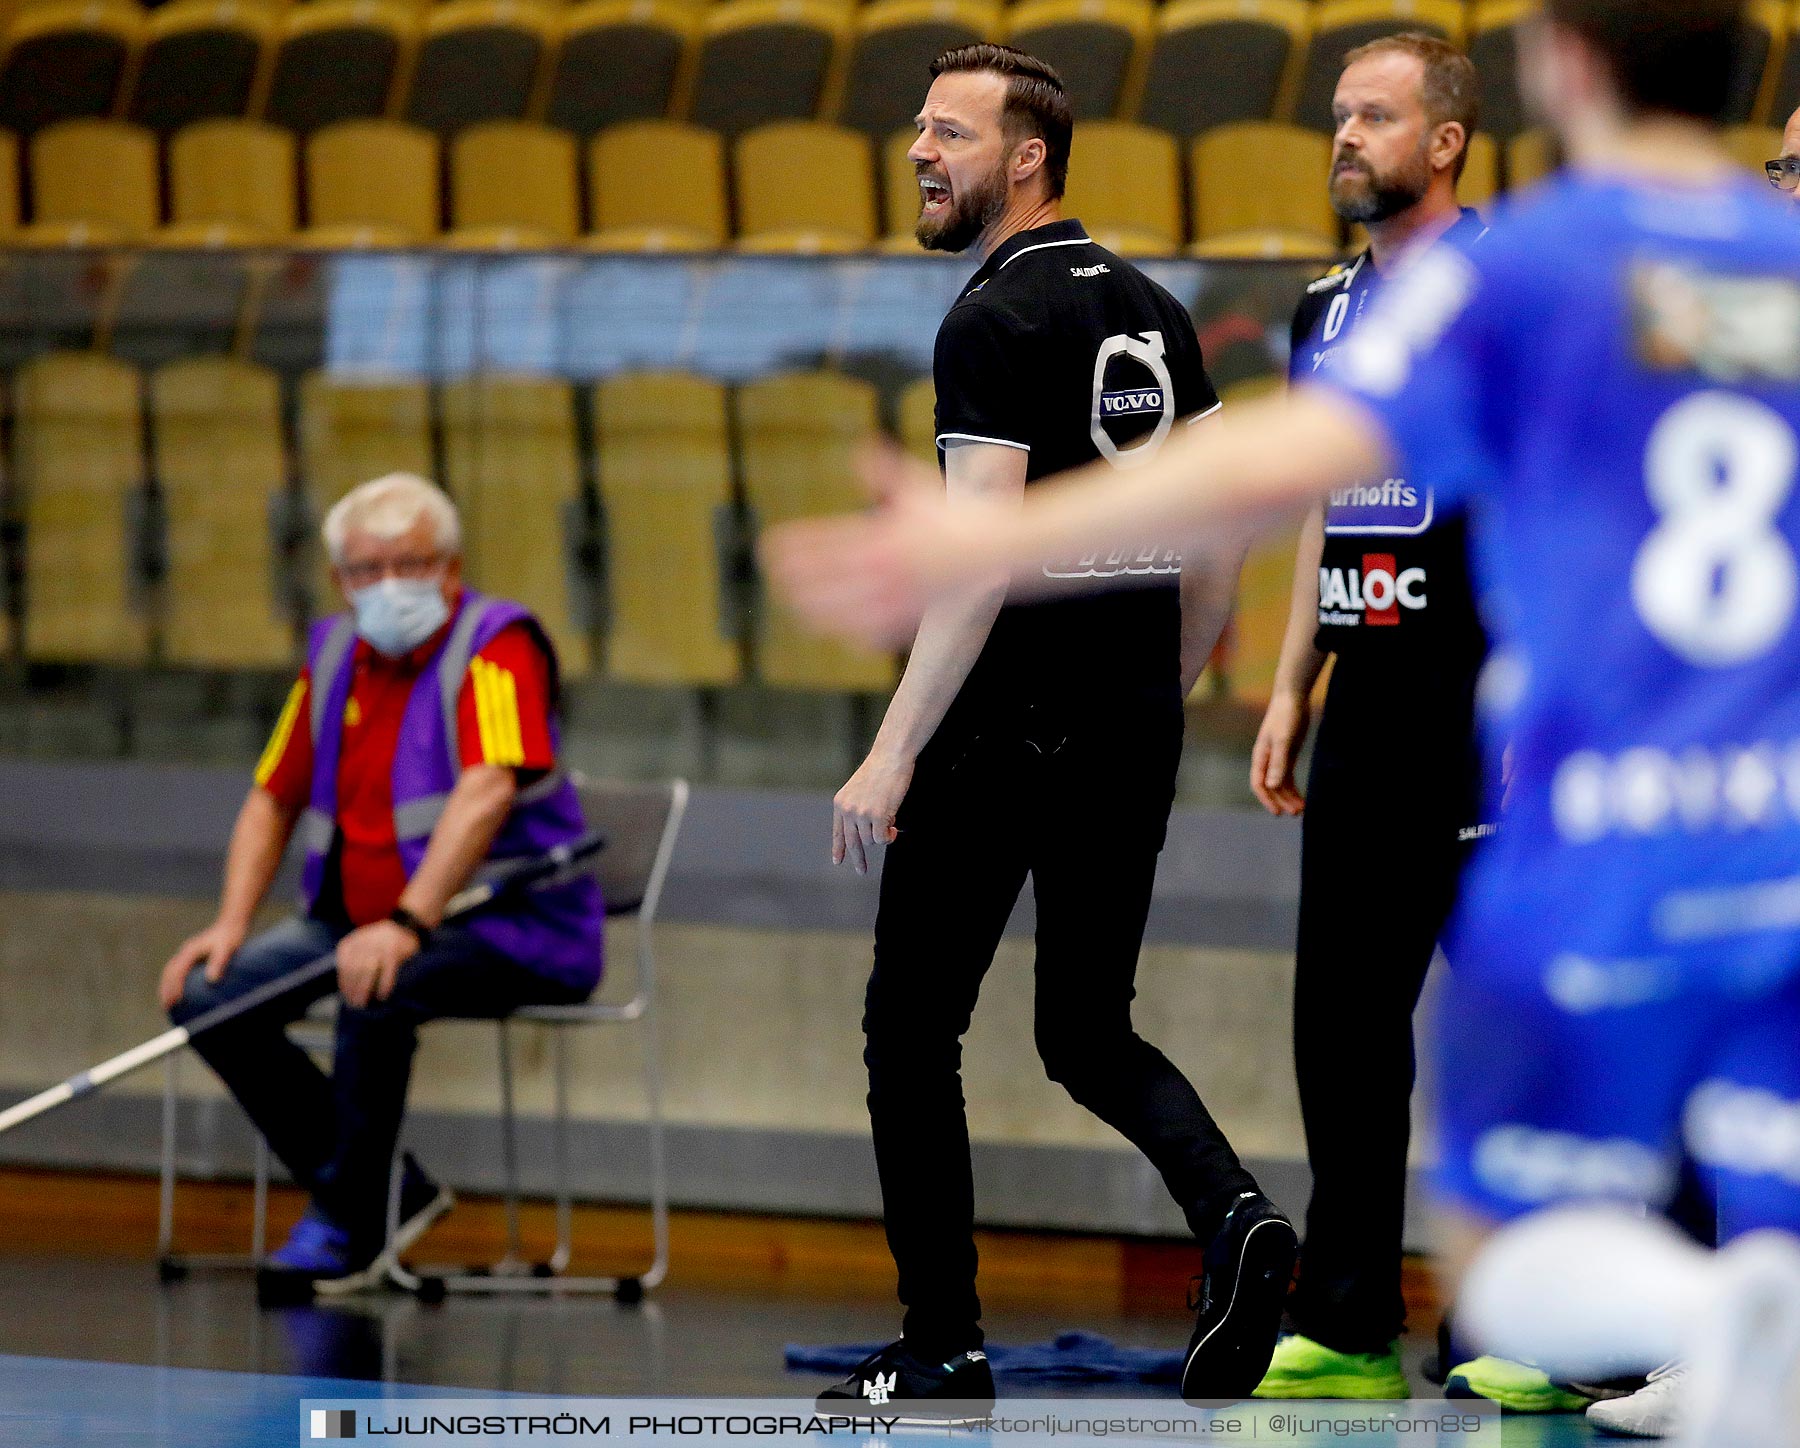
point(370, 957)
point(869, 576)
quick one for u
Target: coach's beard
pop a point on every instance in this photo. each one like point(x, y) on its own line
point(959, 226)
point(1359, 195)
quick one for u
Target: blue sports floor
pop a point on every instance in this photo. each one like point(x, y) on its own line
point(97, 1352)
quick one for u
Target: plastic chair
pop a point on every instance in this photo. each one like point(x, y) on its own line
point(65, 60)
point(200, 61)
point(371, 183)
point(1216, 62)
point(834, 212)
point(1261, 190)
point(1125, 186)
point(895, 42)
point(656, 186)
point(766, 60)
point(620, 60)
point(478, 60)
point(641, 823)
point(513, 184)
point(337, 60)
point(1096, 46)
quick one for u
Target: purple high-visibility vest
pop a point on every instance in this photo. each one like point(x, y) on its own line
point(556, 931)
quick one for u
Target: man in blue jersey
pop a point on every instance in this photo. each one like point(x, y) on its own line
point(1381, 586)
point(1613, 376)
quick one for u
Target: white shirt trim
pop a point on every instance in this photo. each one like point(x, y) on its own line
point(1045, 246)
point(1202, 416)
point(944, 437)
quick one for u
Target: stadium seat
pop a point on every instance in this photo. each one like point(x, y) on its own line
point(336, 60)
point(1480, 182)
point(1493, 42)
point(1125, 186)
point(479, 60)
point(620, 60)
point(656, 186)
point(513, 184)
point(512, 462)
point(231, 183)
point(1096, 46)
point(1530, 157)
point(221, 468)
point(1339, 26)
point(664, 452)
point(371, 183)
point(1784, 79)
point(797, 433)
point(1260, 189)
point(916, 415)
point(356, 428)
point(1754, 146)
point(892, 51)
point(65, 59)
point(832, 209)
point(766, 60)
point(78, 467)
point(899, 194)
point(1216, 62)
point(10, 197)
point(200, 59)
point(92, 182)
point(1752, 87)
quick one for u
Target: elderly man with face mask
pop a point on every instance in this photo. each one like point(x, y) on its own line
point(418, 744)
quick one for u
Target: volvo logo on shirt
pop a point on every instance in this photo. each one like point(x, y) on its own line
point(1133, 398)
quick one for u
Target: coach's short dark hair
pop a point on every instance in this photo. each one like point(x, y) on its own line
point(1452, 87)
point(1037, 102)
point(1676, 57)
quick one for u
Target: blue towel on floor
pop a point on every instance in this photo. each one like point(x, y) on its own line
point(1075, 1357)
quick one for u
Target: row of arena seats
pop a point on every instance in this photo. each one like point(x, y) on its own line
point(798, 186)
point(158, 520)
point(732, 65)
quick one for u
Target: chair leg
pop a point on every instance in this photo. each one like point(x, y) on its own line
point(659, 1167)
point(509, 1149)
point(259, 1205)
point(565, 1211)
point(165, 1199)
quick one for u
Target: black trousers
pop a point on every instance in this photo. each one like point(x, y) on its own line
point(1082, 811)
point(336, 1133)
point(1392, 786)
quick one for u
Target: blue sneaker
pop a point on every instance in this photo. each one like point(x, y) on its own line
point(317, 1247)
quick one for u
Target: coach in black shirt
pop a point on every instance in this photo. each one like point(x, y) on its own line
point(1039, 739)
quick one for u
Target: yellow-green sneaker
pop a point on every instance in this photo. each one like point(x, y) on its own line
point(1302, 1368)
point(1517, 1387)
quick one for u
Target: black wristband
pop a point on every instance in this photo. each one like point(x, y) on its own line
point(406, 920)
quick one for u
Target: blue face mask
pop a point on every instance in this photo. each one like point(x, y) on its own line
point(396, 615)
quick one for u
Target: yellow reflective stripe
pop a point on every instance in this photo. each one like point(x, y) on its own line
point(284, 729)
point(497, 714)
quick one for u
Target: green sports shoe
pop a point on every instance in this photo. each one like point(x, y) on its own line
point(1302, 1368)
point(1517, 1387)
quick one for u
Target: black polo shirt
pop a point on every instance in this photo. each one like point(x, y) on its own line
point(1063, 350)
point(1394, 587)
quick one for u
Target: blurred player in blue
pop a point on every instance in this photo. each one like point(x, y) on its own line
point(1612, 381)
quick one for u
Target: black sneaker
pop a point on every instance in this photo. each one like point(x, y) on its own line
point(1238, 1305)
point(893, 1383)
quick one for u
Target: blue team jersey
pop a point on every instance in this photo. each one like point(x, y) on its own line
point(1612, 380)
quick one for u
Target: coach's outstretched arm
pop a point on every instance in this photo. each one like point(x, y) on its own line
point(872, 576)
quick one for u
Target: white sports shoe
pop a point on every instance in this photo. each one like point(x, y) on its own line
point(1651, 1412)
point(1743, 1379)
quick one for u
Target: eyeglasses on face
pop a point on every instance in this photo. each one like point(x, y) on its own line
point(413, 565)
point(1784, 173)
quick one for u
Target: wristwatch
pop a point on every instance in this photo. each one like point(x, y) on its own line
point(406, 920)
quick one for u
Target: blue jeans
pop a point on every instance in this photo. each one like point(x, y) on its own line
point(336, 1134)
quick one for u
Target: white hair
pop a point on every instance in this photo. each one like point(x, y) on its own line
point(389, 506)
